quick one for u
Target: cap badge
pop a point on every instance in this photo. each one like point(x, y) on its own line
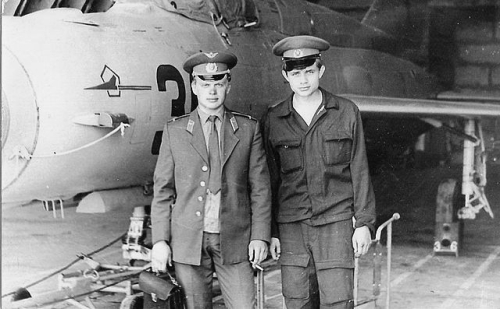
point(211, 55)
point(297, 53)
point(211, 67)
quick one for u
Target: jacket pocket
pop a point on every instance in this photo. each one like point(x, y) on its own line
point(337, 148)
point(294, 274)
point(290, 153)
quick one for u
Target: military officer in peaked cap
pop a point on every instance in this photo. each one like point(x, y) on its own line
point(212, 201)
point(320, 180)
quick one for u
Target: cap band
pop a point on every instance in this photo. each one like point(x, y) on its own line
point(300, 52)
point(210, 68)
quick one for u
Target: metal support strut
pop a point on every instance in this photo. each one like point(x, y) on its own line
point(377, 265)
point(474, 174)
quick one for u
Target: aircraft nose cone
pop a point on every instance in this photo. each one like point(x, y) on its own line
point(19, 123)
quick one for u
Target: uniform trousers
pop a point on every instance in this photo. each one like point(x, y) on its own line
point(236, 280)
point(317, 265)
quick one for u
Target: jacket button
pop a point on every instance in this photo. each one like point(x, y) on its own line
point(200, 198)
point(198, 213)
point(202, 183)
point(204, 168)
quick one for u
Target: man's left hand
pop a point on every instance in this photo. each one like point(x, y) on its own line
point(257, 252)
point(361, 240)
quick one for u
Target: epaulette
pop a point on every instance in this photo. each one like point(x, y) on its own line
point(243, 115)
point(177, 118)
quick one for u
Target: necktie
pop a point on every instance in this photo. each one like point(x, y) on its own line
point(214, 181)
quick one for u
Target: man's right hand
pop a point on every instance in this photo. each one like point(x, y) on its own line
point(161, 255)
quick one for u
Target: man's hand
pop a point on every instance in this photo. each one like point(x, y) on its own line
point(361, 240)
point(275, 248)
point(257, 252)
point(161, 255)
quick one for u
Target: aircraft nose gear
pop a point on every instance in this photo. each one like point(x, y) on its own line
point(134, 247)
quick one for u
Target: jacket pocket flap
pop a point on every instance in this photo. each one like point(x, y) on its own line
point(335, 136)
point(288, 143)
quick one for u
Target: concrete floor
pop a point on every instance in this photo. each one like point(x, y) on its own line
point(35, 244)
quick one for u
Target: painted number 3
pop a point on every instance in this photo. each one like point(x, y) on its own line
point(168, 72)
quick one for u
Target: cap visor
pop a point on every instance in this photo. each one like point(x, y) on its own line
point(211, 76)
point(299, 64)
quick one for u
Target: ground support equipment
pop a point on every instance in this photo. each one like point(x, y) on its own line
point(76, 286)
point(377, 269)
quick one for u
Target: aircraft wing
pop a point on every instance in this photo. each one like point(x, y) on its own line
point(422, 107)
point(430, 111)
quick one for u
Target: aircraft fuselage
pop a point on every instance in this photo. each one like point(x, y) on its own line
point(66, 73)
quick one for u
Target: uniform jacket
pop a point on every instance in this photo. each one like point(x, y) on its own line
point(181, 180)
point(319, 172)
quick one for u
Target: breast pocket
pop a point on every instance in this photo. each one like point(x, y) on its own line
point(337, 148)
point(290, 153)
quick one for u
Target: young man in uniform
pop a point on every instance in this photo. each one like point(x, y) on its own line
point(212, 201)
point(320, 180)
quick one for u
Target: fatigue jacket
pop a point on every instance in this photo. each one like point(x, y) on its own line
point(320, 172)
point(181, 180)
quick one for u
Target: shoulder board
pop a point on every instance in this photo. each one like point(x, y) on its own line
point(177, 118)
point(243, 115)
